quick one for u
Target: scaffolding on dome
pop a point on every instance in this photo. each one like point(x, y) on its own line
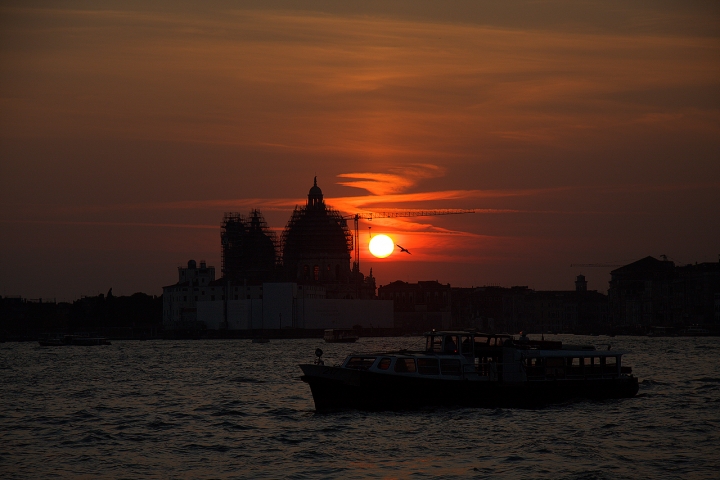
point(249, 247)
point(315, 230)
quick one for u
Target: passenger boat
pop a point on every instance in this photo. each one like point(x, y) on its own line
point(339, 336)
point(470, 369)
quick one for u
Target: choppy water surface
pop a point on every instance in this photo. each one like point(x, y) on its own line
point(223, 409)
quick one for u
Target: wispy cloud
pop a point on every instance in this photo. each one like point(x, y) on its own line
point(399, 180)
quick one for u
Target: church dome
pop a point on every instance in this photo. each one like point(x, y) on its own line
point(248, 248)
point(316, 243)
point(315, 196)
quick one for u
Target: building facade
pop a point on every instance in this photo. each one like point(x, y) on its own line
point(657, 293)
point(419, 306)
point(195, 284)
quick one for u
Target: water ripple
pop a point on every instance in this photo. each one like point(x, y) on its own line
point(233, 409)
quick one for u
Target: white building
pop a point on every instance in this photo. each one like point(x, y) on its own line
point(180, 300)
point(199, 300)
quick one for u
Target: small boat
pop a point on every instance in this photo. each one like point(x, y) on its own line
point(53, 340)
point(65, 340)
point(462, 368)
point(260, 340)
point(695, 331)
point(88, 340)
point(340, 336)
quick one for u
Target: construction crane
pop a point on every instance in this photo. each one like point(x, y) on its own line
point(405, 213)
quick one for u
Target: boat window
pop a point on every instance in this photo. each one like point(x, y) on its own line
point(434, 343)
point(428, 366)
point(575, 365)
point(467, 346)
point(610, 364)
point(384, 364)
point(360, 363)
point(535, 367)
point(405, 365)
point(451, 344)
point(450, 367)
point(555, 362)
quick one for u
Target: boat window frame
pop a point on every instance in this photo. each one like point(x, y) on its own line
point(444, 370)
point(611, 368)
point(434, 343)
point(467, 343)
point(482, 340)
point(534, 367)
point(575, 366)
point(405, 361)
point(428, 369)
point(380, 362)
point(363, 359)
point(447, 347)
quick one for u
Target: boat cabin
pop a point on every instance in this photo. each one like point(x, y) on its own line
point(491, 357)
point(339, 336)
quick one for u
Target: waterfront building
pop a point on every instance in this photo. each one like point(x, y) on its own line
point(289, 305)
point(639, 293)
point(309, 286)
point(519, 308)
point(657, 293)
point(420, 306)
point(195, 284)
point(696, 292)
point(220, 305)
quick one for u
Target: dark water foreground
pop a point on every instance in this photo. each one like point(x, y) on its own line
point(234, 409)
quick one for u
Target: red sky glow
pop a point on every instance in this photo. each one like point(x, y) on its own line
point(580, 132)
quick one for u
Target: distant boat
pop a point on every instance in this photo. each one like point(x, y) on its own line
point(53, 340)
point(87, 341)
point(59, 340)
point(260, 340)
point(340, 336)
point(695, 331)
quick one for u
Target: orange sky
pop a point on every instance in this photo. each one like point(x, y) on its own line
point(582, 132)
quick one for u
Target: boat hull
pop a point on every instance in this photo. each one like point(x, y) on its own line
point(339, 388)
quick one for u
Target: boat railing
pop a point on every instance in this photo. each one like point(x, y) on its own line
point(594, 371)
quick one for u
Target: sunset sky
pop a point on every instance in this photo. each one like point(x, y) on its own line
point(581, 132)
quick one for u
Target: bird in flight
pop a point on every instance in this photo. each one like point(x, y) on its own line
point(403, 249)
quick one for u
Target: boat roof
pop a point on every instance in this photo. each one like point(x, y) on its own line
point(572, 353)
point(525, 354)
point(467, 332)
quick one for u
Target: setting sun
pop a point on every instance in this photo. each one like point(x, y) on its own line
point(381, 246)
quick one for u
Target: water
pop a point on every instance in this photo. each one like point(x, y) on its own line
point(234, 409)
